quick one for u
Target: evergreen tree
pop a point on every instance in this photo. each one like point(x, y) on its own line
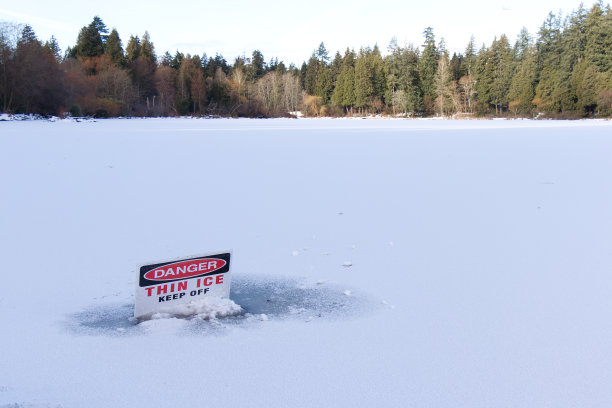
point(393, 68)
point(502, 71)
point(147, 49)
point(166, 59)
point(177, 60)
point(586, 83)
point(344, 91)
point(403, 90)
point(599, 39)
point(132, 50)
point(548, 62)
point(428, 66)
point(571, 47)
point(467, 81)
point(310, 78)
point(28, 36)
point(100, 27)
point(114, 49)
point(318, 76)
point(456, 66)
point(469, 58)
point(376, 66)
point(335, 68)
point(323, 84)
point(522, 88)
point(218, 62)
point(303, 70)
point(322, 54)
point(53, 48)
point(91, 40)
point(89, 43)
point(272, 65)
point(363, 81)
point(524, 43)
point(257, 68)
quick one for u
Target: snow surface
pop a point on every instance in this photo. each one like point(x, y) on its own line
point(480, 251)
point(205, 309)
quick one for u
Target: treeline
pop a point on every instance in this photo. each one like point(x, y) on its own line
point(565, 71)
point(99, 77)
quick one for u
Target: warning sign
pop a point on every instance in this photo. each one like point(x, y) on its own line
point(163, 285)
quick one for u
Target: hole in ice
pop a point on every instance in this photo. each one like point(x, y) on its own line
point(260, 298)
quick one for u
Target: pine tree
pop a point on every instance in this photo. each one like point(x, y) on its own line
point(522, 87)
point(90, 42)
point(393, 68)
point(28, 36)
point(428, 66)
point(524, 43)
point(403, 89)
point(323, 84)
point(303, 70)
point(376, 65)
point(166, 59)
point(469, 57)
point(100, 27)
point(411, 79)
point(344, 91)
point(483, 80)
point(322, 55)
point(310, 77)
point(502, 70)
point(256, 68)
point(147, 49)
point(114, 49)
point(599, 39)
point(572, 48)
point(53, 48)
point(363, 81)
point(456, 66)
point(177, 60)
point(335, 68)
point(548, 62)
point(132, 50)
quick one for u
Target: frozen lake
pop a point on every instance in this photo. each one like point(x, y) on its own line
point(379, 262)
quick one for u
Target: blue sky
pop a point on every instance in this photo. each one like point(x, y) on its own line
point(278, 28)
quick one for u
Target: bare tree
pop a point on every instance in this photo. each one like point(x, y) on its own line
point(9, 34)
point(399, 100)
point(165, 78)
point(467, 84)
point(198, 90)
point(447, 100)
point(265, 90)
point(113, 83)
point(292, 90)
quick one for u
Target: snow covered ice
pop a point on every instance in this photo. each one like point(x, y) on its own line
point(481, 269)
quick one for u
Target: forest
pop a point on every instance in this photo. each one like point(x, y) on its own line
point(563, 71)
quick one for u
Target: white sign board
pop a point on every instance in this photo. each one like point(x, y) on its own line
point(164, 285)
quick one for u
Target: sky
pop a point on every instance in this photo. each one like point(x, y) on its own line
point(287, 30)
